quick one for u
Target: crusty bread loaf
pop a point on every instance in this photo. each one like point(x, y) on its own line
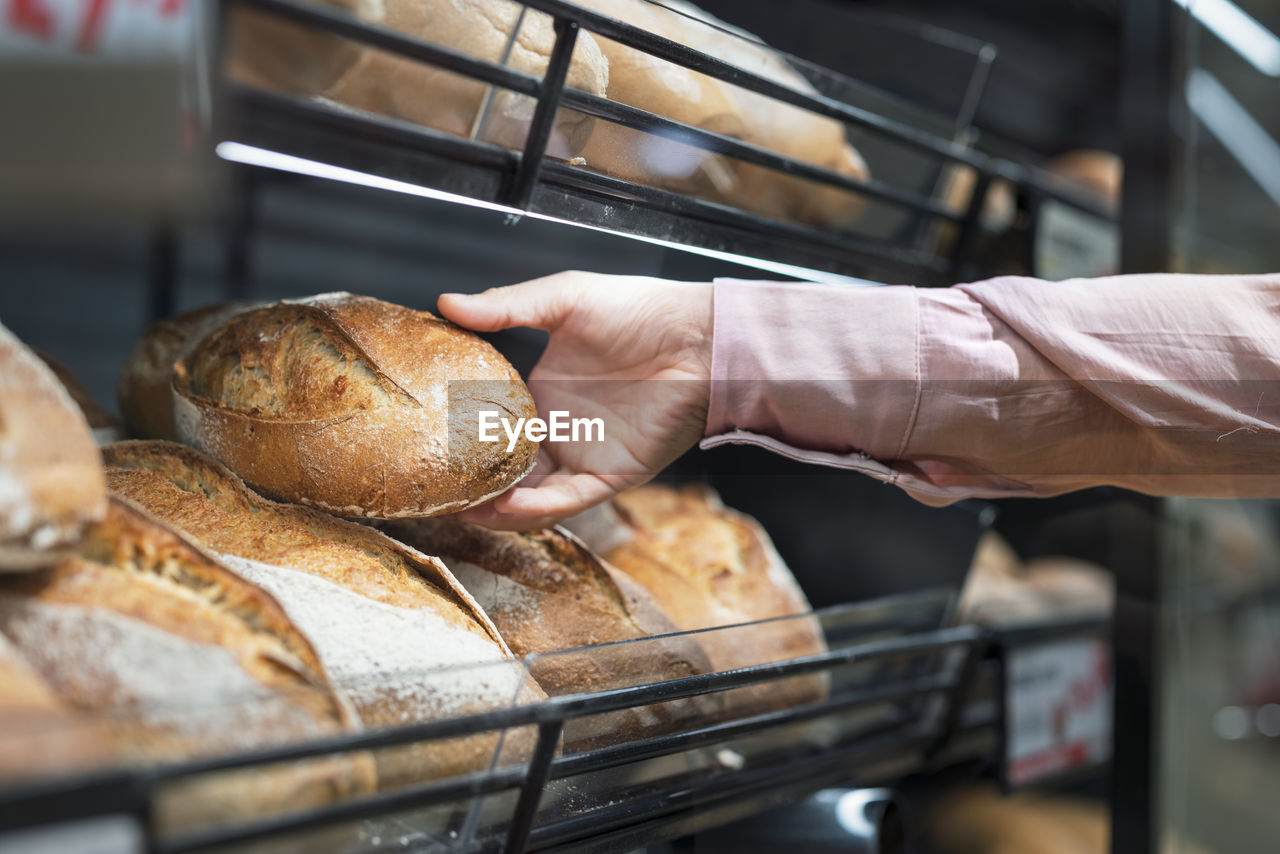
point(39, 734)
point(145, 389)
point(300, 60)
point(353, 405)
point(648, 83)
point(546, 591)
point(1072, 585)
point(272, 52)
point(387, 621)
point(1001, 588)
point(105, 426)
point(1100, 173)
point(51, 485)
point(710, 566)
point(174, 657)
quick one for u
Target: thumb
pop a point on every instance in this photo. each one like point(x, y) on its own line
point(541, 304)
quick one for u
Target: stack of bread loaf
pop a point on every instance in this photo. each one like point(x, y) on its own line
point(164, 600)
point(1002, 588)
point(272, 53)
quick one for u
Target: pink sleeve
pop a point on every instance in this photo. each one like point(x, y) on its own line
point(1010, 387)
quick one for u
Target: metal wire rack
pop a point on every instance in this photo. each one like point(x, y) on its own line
point(527, 181)
point(902, 693)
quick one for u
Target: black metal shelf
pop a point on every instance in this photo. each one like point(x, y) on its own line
point(527, 181)
point(924, 702)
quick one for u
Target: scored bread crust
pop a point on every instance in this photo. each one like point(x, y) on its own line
point(710, 566)
point(145, 388)
point(353, 405)
point(51, 486)
point(546, 591)
point(97, 625)
point(199, 495)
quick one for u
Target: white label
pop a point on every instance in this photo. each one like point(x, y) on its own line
point(1072, 244)
point(118, 29)
point(112, 834)
point(1058, 708)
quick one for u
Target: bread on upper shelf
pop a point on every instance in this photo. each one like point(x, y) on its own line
point(172, 657)
point(270, 52)
point(641, 80)
point(709, 566)
point(51, 486)
point(354, 406)
point(145, 388)
point(396, 633)
point(547, 592)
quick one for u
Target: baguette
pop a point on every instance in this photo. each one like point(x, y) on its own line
point(297, 59)
point(353, 405)
point(546, 592)
point(51, 486)
point(393, 628)
point(145, 388)
point(174, 657)
point(708, 567)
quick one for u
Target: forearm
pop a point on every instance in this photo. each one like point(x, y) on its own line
point(1165, 384)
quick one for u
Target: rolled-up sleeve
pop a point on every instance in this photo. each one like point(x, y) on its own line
point(1009, 387)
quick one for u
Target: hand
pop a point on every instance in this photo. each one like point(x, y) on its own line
point(631, 350)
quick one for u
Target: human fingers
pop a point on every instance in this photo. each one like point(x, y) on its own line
point(539, 303)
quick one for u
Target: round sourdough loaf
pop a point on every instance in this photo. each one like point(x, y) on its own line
point(145, 388)
point(548, 593)
point(51, 486)
point(355, 406)
point(170, 656)
point(396, 633)
point(709, 566)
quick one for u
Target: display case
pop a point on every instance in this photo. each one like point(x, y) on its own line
point(315, 196)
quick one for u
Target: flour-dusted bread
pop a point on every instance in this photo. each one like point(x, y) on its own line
point(546, 591)
point(173, 657)
point(641, 80)
point(353, 405)
point(39, 734)
point(297, 59)
point(710, 566)
point(394, 630)
point(145, 388)
point(51, 485)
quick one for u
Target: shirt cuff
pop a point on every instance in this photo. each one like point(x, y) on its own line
point(819, 367)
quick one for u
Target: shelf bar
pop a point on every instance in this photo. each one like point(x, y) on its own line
point(642, 120)
point(472, 785)
point(688, 57)
point(609, 757)
point(534, 783)
point(346, 25)
point(549, 92)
